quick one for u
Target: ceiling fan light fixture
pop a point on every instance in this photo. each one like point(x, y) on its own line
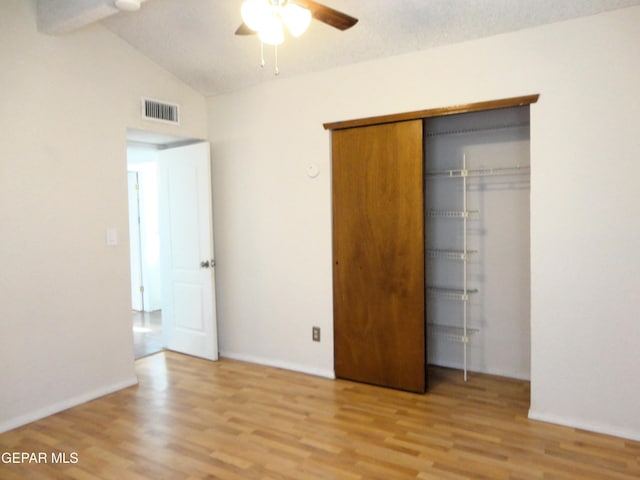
point(296, 18)
point(269, 17)
point(271, 31)
point(261, 16)
point(254, 13)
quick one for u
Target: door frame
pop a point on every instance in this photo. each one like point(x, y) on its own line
point(422, 115)
point(154, 140)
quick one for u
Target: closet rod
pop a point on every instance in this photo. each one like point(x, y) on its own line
point(463, 131)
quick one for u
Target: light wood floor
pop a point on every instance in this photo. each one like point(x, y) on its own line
point(193, 419)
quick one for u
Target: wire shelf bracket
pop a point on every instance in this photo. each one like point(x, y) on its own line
point(449, 254)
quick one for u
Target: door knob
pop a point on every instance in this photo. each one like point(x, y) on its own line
point(204, 264)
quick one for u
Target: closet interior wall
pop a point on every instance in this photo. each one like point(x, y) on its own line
point(481, 159)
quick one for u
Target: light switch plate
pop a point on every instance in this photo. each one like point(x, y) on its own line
point(112, 237)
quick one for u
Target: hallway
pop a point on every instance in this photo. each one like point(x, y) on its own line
point(147, 333)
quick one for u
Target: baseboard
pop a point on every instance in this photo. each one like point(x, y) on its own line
point(65, 405)
point(585, 425)
point(268, 362)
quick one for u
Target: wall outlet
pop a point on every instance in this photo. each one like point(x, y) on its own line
point(315, 334)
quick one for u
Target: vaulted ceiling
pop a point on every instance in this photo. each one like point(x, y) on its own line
point(194, 39)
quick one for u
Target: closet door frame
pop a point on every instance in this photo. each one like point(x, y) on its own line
point(433, 112)
point(341, 347)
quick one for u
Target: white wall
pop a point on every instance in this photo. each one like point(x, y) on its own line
point(66, 102)
point(273, 224)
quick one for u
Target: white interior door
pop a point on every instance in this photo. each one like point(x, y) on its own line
point(186, 250)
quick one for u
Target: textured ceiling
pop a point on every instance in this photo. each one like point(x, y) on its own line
point(194, 39)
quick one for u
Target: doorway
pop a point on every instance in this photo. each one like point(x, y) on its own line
point(477, 218)
point(171, 238)
point(144, 241)
point(147, 333)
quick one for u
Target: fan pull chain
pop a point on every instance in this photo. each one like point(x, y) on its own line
point(276, 70)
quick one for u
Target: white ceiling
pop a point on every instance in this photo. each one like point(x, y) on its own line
point(194, 39)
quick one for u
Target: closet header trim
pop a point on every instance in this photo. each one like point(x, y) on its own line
point(434, 112)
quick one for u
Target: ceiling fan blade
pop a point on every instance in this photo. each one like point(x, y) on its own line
point(328, 15)
point(244, 30)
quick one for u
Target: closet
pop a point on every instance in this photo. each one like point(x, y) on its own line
point(408, 271)
point(477, 219)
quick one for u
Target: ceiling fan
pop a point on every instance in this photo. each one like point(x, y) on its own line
point(320, 12)
point(268, 18)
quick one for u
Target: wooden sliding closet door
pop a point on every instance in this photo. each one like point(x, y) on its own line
point(378, 254)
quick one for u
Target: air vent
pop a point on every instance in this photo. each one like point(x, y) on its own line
point(160, 111)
